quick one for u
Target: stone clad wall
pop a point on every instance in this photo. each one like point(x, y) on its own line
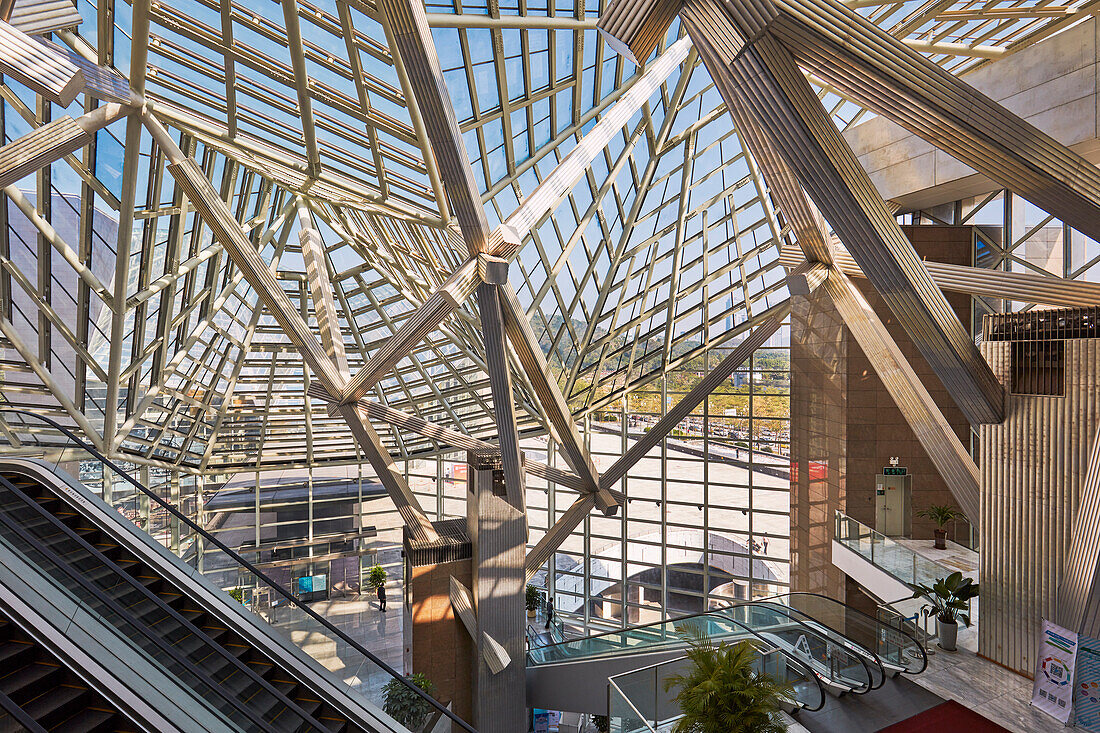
point(845, 425)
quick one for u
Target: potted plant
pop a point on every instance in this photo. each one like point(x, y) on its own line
point(237, 594)
point(376, 577)
point(949, 600)
point(532, 601)
point(722, 691)
point(941, 514)
point(602, 724)
point(404, 705)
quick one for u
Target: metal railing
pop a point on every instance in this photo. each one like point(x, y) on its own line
point(902, 563)
point(280, 605)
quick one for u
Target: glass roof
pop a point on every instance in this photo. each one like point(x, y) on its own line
point(667, 247)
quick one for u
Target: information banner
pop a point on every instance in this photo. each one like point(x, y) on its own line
point(1053, 691)
point(1086, 687)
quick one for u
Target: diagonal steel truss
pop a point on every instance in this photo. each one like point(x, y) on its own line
point(639, 232)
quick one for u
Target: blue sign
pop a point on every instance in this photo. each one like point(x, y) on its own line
point(1086, 691)
point(305, 584)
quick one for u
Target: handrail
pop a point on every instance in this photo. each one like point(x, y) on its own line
point(251, 568)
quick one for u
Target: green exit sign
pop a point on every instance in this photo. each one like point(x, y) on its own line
point(894, 471)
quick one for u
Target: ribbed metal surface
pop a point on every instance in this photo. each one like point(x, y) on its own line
point(44, 70)
point(451, 543)
point(1019, 286)
point(634, 28)
point(40, 147)
point(770, 88)
point(877, 71)
point(411, 36)
point(37, 17)
point(1079, 593)
point(1033, 468)
point(500, 382)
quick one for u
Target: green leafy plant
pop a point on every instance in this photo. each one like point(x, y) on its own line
point(941, 514)
point(603, 725)
point(237, 594)
point(722, 692)
point(376, 576)
point(404, 705)
point(532, 599)
point(948, 598)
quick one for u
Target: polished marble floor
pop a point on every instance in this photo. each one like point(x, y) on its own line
point(987, 688)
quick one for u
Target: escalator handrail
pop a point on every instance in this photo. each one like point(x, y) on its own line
point(872, 619)
point(117, 608)
point(862, 660)
point(175, 615)
point(435, 704)
point(807, 621)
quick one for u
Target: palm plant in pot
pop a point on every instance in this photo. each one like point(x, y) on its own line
point(941, 514)
point(949, 601)
point(722, 691)
point(532, 601)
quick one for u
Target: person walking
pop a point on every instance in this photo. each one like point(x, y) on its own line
point(382, 597)
point(549, 613)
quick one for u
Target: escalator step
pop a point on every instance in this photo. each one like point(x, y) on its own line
point(58, 703)
point(12, 650)
point(333, 724)
point(34, 674)
point(89, 720)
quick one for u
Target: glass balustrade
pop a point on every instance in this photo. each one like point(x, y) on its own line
point(35, 436)
point(639, 701)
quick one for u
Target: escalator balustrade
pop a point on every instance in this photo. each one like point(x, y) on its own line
point(189, 641)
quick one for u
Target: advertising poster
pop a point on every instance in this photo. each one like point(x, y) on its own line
point(1086, 686)
point(1053, 691)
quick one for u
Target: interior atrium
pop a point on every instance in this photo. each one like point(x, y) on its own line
point(388, 365)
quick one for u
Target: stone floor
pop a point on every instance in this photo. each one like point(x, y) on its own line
point(987, 688)
point(361, 619)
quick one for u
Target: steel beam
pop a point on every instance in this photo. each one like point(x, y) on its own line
point(766, 85)
point(1022, 287)
point(324, 305)
point(453, 438)
point(454, 291)
point(301, 86)
point(557, 534)
point(495, 655)
point(529, 353)
point(875, 70)
point(555, 187)
point(500, 382)
point(227, 230)
point(920, 411)
point(42, 69)
point(408, 25)
point(676, 414)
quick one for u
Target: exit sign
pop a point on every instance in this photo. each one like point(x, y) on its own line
point(894, 470)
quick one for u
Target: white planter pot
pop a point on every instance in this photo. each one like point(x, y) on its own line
point(948, 633)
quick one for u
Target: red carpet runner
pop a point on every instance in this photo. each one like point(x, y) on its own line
point(950, 717)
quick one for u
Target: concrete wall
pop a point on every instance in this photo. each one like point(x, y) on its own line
point(1052, 85)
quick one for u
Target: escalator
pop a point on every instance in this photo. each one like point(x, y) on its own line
point(40, 692)
point(846, 652)
point(166, 621)
point(193, 640)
